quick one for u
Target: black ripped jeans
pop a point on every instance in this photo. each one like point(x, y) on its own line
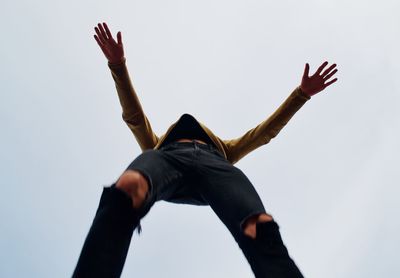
point(186, 173)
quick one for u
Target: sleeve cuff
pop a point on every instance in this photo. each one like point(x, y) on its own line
point(301, 94)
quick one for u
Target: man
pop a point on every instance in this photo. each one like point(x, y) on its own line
point(190, 165)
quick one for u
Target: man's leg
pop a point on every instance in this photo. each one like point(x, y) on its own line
point(151, 177)
point(267, 253)
point(107, 243)
point(234, 199)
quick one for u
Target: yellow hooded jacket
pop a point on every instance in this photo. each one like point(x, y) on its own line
point(233, 149)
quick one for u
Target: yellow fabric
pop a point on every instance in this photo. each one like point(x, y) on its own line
point(233, 149)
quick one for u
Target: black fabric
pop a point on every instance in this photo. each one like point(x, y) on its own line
point(106, 246)
point(187, 127)
point(267, 255)
point(198, 174)
point(188, 173)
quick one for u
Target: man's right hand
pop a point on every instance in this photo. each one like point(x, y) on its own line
point(114, 51)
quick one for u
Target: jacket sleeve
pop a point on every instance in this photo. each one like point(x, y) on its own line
point(266, 130)
point(132, 112)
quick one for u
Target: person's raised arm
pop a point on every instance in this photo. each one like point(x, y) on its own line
point(132, 111)
point(269, 128)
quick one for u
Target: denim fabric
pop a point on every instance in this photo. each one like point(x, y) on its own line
point(198, 174)
point(106, 246)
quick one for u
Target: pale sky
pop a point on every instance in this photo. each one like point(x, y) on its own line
point(330, 178)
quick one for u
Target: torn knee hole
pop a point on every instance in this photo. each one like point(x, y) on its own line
point(249, 226)
point(135, 185)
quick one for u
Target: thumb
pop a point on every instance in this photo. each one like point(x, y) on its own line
point(119, 37)
point(306, 70)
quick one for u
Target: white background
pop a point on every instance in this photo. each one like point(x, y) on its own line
point(330, 178)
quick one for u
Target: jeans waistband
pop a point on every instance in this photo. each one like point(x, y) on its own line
point(192, 144)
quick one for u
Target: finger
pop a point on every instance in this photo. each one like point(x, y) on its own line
point(99, 35)
point(330, 75)
point(98, 41)
point(330, 82)
point(306, 70)
point(119, 38)
point(328, 70)
point(103, 33)
point(107, 30)
point(321, 67)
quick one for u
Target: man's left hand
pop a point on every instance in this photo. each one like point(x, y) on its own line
point(311, 85)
